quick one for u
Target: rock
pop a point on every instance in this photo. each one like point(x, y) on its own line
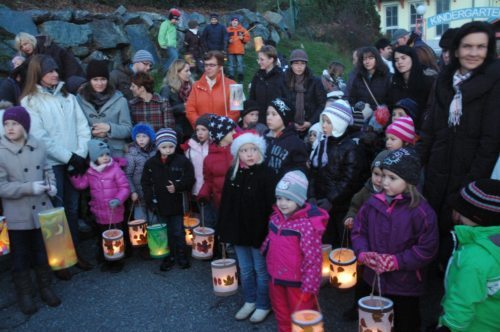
point(275, 36)
point(260, 30)
point(80, 51)
point(12, 22)
point(121, 10)
point(273, 18)
point(67, 34)
point(62, 15)
point(139, 40)
point(6, 54)
point(106, 35)
point(82, 16)
point(39, 15)
point(96, 55)
point(249, 18)
point(154, 16)
point(131, 18)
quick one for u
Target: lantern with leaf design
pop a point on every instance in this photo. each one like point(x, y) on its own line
point(325, 265)
point(236, 97)
point(4, 237)
point(138, 232)
point(203, 243)
point(307, 320)
point(190, 223)
point(158, 240)
point(113, 244)
point(224, 276)
point(342, 268)
point(375, 314)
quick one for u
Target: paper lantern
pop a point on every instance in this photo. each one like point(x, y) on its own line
point(307, 320)
point(189, 224)
point(138, 232)
point(224, 277)
point(258, 42)
point(236, 97)
point(113, 245)
point(342, 268)
point(158, 241)
point(325, 265)
point(4, 237)
point(375, 314)
point(57, 238)
point(203, 243)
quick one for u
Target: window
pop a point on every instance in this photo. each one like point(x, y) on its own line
point(391, 20)
point(442, 6)
point(414, 17)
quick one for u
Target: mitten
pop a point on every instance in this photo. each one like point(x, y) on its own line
point(114, 203)
point(78, 163)
point(387, 263)
point(369, 258)
point(39, 187)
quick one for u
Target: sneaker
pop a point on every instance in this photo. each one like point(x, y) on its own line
point(259, 315)
point(245, 311)
point(167, 264)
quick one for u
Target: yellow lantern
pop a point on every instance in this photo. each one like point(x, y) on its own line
point(138, 232)
point(224, 277)
point(342, 268)
point(113, 245)
point(375, 314)
point(4, 237)
point(203, 243)
point(189, 224)
point(57, 238)
point(258, 42)
point(307, 320)
point(236, 97)
point(325, 265)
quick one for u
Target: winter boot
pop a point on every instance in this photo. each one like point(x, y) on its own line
point(24, 290)
point(44, 278)
point(182, 259)
point(168, 263)
point(82, 263)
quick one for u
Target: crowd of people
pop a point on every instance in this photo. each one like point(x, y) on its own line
point(404, 154)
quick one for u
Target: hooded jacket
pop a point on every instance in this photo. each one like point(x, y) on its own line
point(196, 153)
point(237, 45)
point(265, 87)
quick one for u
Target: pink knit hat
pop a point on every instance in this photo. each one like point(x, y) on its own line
point(403, 128)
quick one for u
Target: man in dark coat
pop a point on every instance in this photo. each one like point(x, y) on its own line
point(214, 35)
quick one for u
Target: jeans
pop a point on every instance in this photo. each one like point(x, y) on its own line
point(27, 249)
point(210, 214)
point(139, 212)
point(67, 197)
point(175, 233)
point(254, 277)
point(235, 61)
point(172, 55)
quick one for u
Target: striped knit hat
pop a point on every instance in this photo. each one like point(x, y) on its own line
point(479, 201)
point(293, 185)
point(340, 115)
point(166, 135)
point(403, 128)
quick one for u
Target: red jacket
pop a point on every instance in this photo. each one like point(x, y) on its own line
point(237, 45)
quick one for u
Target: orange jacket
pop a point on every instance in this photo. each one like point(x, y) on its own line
point(237, 45)
point(202, 100)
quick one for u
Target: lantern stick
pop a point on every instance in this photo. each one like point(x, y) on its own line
point(203, 216)
point(131, 210)
point(223, 246)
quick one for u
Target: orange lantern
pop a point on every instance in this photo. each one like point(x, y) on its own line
point(203, 243)
point(258, 42)
point(307, 320)
point(113, 244)
point(138, 232)
point(236, 97)
point(342, 268)
point(190, 223)
point(4, 237)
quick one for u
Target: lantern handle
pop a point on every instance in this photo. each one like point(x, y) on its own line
point(111, 218)
point(131, 211)
point(202, 206)
point(301, 299)
point(345, 240)
point(376, 279)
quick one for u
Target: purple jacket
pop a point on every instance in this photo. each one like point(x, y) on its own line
point(411, 234)
point(293, 248)
point(108, 184)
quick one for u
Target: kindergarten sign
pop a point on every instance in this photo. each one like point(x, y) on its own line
point(463, 14)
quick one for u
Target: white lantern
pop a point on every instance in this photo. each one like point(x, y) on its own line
point(236, 97)
point(375, 314)
point(325, 265)
point(138, 232)
point(190, 223)
point(224, 277)
point(307, 320)
point(342, 268)
point(203, 243)
point(113, 245)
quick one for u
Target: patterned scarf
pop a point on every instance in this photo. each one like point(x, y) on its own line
point(299, 88)
point(456, 103)
point(184, 91)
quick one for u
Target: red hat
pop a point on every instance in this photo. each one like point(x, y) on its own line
point(174, 13)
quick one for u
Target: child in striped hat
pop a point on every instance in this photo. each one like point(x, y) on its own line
point(400, 133)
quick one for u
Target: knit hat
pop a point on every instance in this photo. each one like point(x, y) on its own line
point(235, 18)
point(174, 13)
point(340, 115)
point(214, 15)
point(143, 56)
point(203, 120)
point(47, 64)
point(298, 55)
point(146, 129)
point(73, 83)
point(409, 105)
point(447, 38)
point(335, 94)
point(284, 111)
point(249, 105)
point(18, 114)
point(293, 185)
point(97, 148)
point(403, 128)
point(479, 201)
point(357, 114)
point(398, 34)
point(379, 159)
point(405, 163)
point(97, 68)
point(248, 137)
point(192, 24)
point(165, 135)
point(219, 127)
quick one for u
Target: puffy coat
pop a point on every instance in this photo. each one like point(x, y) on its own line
point(380, 86)
point(59, 122)
point(265, 87)
point(105, 185)
point(293, 248)
point(182, 125)
point(214, 37)
point(237, 45)
point(136, 158)
point(409, 234)
point(120, 79)
point(196, 153)
point(20, 166)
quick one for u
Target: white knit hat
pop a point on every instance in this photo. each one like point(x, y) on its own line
point(340, 115)
point(248, 137)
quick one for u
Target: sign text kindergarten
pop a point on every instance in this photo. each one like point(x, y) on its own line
point(463, 14)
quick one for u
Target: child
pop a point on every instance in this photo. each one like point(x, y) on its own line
point(471, 301)
point(23, 169)
point(405, 107)
point(165, 177)
point(109, 189)
point(313, 137)
point(400, 133)
point(293, 249)
point(395, 235)
point(139, 151)
point(247, 199)
point(250, 117)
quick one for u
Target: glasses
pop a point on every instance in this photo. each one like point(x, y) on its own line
point(211, 65)
point(147, 64)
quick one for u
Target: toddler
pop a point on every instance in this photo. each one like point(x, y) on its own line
point(400, 133)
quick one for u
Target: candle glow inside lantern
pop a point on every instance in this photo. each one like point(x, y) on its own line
point(203, 243)
point(236, 97)
point(4, 237)
point(307, 320)
point(342, 268)
point(325, 266)
point(158, 240)
point(57, 238)
point(113, 245)
point(224, 277)
point(258, 42)
point(138, 233)
point(190, 223)
point(375, 314)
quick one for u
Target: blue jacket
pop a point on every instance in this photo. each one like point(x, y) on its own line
point(215, 37)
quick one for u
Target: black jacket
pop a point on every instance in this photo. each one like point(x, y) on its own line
point(182, 125)
point(214, 37)
point(68, 65)
point(379, 84)
point(265, 87)
point(193, 44)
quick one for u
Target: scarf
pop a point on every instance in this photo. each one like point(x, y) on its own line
point(185, 90)
point(299, 88)
point(319, 156)
point(456, 103)
point(98, 99)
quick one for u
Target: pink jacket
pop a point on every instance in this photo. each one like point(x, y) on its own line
point(196, 153)
point(293, 248)
point(105, 185)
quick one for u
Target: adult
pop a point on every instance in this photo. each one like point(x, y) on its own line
point(105, 108)
point(400, 37)
point(194, 47)
point(176, 88)
point(238, 37)
point(384, 48)
point(58, 120)
point(304, 92)
point(267, 83)
point(11, 86)
point(461, 137)
point(167, 37)
point(445, 43)
point(148, 106)
point(427, 59)
point(214, 36)
point(29, 45)
point(210, 94)
point(352, 74)
point(142, 62)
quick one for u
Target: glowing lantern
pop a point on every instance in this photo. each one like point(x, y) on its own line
point(4, 237)
point(375, 314)
point(258, 42)
point(325, 266)
point(307, 320)
point(189, 224)
point(203, 243)
point(57, 238)
point(113, 245)
point(138, 233)
point(236, 97)
point(158, 240)
point(224, 277)
point(342, 268)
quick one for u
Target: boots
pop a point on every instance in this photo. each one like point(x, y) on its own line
point(167, 264)
point(182, 259)
point(82, 263)
point(44, 278)
point(24, 291)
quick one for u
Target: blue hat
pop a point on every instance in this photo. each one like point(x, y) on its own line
point(143, 128)
point(97, 148)
point(166, 135)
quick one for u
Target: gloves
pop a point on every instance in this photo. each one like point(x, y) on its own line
point(39, 187)
point(52, 191)
point(369, 258)
point(78, 163)
point(114, 203)
point(325, 204)
point(387, 263)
